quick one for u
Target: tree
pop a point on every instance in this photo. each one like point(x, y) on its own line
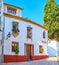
point(51, 19)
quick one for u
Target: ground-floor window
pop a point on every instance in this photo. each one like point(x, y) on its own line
point(14, 46)
point(41, 49)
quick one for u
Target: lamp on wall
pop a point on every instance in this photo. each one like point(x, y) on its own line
point(8, 35)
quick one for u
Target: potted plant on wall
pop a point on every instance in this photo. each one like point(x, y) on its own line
point(42, 50)
point(17, 51)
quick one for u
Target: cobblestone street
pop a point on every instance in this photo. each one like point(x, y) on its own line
point(48, 61)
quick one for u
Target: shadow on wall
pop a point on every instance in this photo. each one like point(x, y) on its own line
point(58, 48)
point(51, 51)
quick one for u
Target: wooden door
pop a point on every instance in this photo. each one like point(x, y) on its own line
point(28, 51)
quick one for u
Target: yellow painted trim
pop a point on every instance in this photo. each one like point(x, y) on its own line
point(19, 12)
point(4, 8)
point(24, 19)
point(17, 8)
point(13, 6)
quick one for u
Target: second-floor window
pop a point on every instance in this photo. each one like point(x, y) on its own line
point(15, 29)
point(29, 32)
point(11, 10)
point(44, 34)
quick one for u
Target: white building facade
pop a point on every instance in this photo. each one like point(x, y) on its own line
point(23, 39)
point(53, 48)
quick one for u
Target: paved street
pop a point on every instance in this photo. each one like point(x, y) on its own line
point(49, 61)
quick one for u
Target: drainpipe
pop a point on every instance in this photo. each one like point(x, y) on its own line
point(2, 41)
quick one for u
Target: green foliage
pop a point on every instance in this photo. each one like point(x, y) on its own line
point(17, 50)
point(15, 28)
point(51, 19)
point(42, 50)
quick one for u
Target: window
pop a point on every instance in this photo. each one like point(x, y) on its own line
point(44, 34)
point(14, 46)
point(15, 29)
point(29, 32)
point(41, 50)
point(11, 10)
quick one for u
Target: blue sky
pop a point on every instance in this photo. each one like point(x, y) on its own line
point(32, 9)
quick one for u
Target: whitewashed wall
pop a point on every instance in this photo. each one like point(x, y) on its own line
point(37, 37)
point(53, 48)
